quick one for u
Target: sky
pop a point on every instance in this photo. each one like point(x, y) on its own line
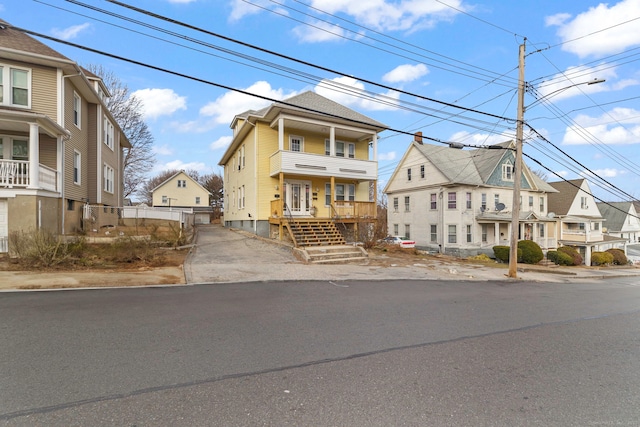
point(446, 68)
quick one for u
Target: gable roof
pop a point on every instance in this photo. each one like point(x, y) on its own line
point(615, 213)
point(473, 167)
point(560, 202)
point(175, 175)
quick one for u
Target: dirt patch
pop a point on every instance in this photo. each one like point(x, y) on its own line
point(391, 255)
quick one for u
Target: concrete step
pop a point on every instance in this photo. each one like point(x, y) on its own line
point(338, 254)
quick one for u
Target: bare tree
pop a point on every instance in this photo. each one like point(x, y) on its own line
point(214, 183)
point(126, 109)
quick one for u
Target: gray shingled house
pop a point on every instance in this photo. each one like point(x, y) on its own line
point(621, 220)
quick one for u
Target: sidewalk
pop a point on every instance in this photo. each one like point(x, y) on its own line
point(221, 255)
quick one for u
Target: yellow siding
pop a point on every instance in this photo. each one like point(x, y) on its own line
point(181, 196)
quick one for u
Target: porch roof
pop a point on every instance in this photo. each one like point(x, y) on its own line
point(18, 121)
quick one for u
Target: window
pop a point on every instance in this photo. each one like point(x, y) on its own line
point(541, 204)
point(20, 149)
point(108, 178)
point(468, 200)
point(17, 92)
point(242, 157)
point(77, 105)
point(433, 204)
point(165, 200)
point(453, 238)
point(409, 174)
point(327, 194)
point(484, 233)
point(327, 147)
point(583, 203)
point(182, 183)
point(581, 226)
point(339, 149)
point(451, 201)
point(295, 143)
point(407, 231)
point(407, 203)
point(434, 233)
point(395, 229)
point(352, 150)
point(422, 171)
point(531, 202)
point(541, 230)
point(395, 204)
point(241, 198)
point(483, 204)
point(496, 199)
point(340, 192)
point(507, 172)
point(70, 205)
point(108, 130)
point(77, 161)
point(469, 235)
point(596, 226)
point(197, 200)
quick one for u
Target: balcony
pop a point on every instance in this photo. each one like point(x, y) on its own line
point(15, 174)
point(293, 162)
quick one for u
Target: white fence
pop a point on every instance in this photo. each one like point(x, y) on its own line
point(97, 217)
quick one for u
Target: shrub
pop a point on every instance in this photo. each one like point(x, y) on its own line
point(531, 252)
point(502, 253)
point(559, 258)
point(552, 256)
point(601, 258)
point(573, 253)
point(39, 248)
point(619, 258)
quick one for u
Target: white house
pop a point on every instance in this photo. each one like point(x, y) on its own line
point(621, 220)
point(579, 221)
point(460, 201)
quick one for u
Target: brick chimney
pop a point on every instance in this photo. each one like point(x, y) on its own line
point(418, 138)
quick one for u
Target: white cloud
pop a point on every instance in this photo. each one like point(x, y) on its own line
point(608, 29)
point(619, 126)
point(318, 31)
point(222, 142)
point(391, 155)
point(227, 106)
point(240, 8)
point(603, 173)
point(557, 19)
point(479, 138)
point(180, 165)
point(70, 32)
point(405, 73)
point(162, 150)
point(160, 102)
point(181, 1)
point(351, 92)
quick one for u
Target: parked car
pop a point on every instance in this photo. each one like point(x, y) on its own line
point(401, 241)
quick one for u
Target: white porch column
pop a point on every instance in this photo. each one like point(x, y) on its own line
point(375, 146)
point(34, 156)
point(280, 134)
point(496, 233)
point(332, 142)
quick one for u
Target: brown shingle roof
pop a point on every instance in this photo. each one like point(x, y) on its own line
point(561, 202)
point(14, 39)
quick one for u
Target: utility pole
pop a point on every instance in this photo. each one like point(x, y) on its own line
point(517, 172)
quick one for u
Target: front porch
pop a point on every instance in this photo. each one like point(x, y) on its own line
point(307, 226)
point(19, 174)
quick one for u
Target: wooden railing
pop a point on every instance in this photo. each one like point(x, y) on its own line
point(349, 209)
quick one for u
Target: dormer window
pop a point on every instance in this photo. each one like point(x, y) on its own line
point(507, 171)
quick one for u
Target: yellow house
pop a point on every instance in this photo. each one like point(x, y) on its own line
point(60, 147)
point(182, 191)
point(304, 160)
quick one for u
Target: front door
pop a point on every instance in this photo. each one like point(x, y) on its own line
point(297, 196)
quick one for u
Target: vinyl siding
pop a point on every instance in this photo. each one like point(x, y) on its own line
point(44, 91)
point(78, 141)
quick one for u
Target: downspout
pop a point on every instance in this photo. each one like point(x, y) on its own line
point(255, 177)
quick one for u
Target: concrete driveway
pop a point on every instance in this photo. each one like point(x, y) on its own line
point(223, 255)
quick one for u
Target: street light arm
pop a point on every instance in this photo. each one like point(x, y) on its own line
point(555, 92)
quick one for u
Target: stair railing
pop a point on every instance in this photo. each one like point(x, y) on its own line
point(292, 224)
point(336, 217)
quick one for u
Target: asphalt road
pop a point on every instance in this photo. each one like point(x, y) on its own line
point(324, 354)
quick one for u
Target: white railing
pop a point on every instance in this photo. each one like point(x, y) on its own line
point(546, 242)
point(48, 178)
point(14, 173)
point(308, 164)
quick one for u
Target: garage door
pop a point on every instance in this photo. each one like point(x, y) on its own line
point(4, 226)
